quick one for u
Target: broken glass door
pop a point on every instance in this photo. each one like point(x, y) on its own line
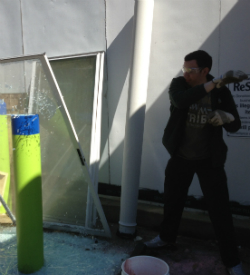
point(80, 80)
point(70, 200)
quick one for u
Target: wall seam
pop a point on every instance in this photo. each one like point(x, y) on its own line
point(21, 16)
point(106, 90)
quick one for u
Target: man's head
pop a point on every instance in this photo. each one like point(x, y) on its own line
point(196, 67)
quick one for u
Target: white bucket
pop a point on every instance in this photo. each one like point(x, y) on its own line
point(144, 265)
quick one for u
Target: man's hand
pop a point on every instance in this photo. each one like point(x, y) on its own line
point(229, 77)
point(219, 117)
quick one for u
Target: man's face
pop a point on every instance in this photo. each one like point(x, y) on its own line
point(193, 74)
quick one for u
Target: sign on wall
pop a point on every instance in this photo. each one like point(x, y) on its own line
point(241, 94)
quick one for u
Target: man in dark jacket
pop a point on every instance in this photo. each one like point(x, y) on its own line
point(200, 106)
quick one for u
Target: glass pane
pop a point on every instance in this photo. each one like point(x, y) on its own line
point(27, 89)
point(76, 79)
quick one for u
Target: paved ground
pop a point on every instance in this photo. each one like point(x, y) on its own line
point(192, 256)
point(72, 254)
point(197, 251)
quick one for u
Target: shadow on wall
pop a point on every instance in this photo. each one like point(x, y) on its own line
point(119, 51)
point(118, 58)
point(220, 44)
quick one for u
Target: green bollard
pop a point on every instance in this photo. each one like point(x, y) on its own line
point(27, 167)
point(4, 156)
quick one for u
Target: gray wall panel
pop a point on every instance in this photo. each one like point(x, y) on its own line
point(10, 28)
point(63, 27)
point(235, 54)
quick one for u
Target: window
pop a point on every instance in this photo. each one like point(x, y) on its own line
point(66, 93)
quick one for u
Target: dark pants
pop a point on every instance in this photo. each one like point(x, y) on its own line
point(213, 181)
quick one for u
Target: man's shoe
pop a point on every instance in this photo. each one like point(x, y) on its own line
point(236, 270)
point(156, 242)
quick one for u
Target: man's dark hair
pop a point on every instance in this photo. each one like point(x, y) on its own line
point(202, 58)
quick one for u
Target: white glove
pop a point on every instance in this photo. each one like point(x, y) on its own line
point(219, 117)
point(229, 77)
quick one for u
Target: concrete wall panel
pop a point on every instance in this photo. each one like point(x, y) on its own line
point(10, 28)
point(60, 27)
point(119, 35)
point(235, 54)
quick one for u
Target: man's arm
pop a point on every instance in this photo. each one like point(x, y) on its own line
point(182, 95)
point(209, 86)
point(228, 105)
point(226, 114)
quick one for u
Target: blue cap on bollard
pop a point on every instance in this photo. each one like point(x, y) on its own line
point(25, 124)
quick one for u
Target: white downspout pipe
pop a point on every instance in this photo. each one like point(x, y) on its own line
point(137, 95)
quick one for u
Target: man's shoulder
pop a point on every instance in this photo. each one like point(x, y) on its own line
point(178, 82)
point(178, 78)
point(210, 77)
